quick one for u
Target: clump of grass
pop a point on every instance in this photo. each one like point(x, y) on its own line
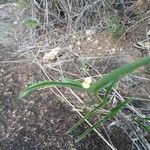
point(84, 65)
point(114, 28)
point(106, 82)
point(30, 23)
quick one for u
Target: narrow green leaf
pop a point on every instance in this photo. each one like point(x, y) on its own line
point(83, 119)
point(147, 118)
point(143, 125)
point(117, 74)
point(102, 104)
point(108, 116)
point(46, 84)
point(108, 90)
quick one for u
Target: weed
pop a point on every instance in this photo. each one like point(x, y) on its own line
point(143, 123)
point(21, 4)
point(30, 23)
point(84, 65)
point(114, 28)
point(106, 82)
point(2, 1)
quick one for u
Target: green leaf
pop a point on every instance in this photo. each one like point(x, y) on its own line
point(46, 84)
point(147, 128)
point(142, 124)
point(108, 116)
point(144, 127)
point(102, 104)
point(83, 119)
point(147, 118)
point(117, 74)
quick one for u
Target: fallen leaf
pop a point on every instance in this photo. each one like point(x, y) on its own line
point(51, 55)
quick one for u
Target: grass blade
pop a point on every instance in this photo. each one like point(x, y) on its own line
point(143, 124)
point(108, 116)
point(118, 73)
point(102, 104)
point(83, 119)
point(46, 84)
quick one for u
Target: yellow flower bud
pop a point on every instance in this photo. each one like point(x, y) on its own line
point(87, 82)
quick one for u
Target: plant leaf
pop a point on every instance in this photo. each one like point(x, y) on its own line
point(117, 74)
point(147, 118)
point(46, 84)
point(141, 124)
point(83, 119)
point(108, 116)
point(102, 104)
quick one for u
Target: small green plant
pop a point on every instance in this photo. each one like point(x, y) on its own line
point(143, 123)
point(114, 28)
point(2, 1)
point(84, 65)
point(30, 23)
point(21, 4)
point(106, 82)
